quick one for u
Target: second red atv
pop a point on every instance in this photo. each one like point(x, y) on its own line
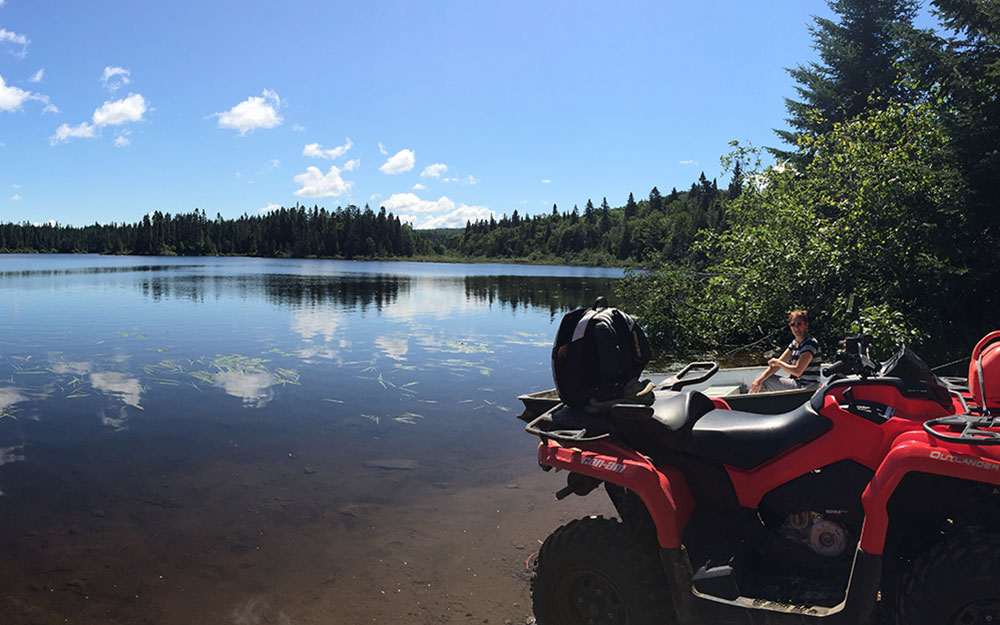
point(875, 501)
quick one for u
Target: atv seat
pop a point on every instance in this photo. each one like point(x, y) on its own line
point(746, 440)
point(672, 412)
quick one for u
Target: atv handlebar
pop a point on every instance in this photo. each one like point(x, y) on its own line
point(853, 359)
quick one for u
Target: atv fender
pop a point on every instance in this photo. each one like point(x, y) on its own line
point(664, 491)
point(917, 451)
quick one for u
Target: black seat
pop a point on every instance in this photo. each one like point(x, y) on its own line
point(746, 440)
point(672, 412)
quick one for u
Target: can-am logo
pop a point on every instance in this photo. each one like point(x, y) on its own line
point(607, 465)
point(970, 461)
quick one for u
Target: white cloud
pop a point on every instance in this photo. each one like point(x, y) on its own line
point(316, 184)
point(687, 162)
point(37, 76)
point(471, 180)
point(374, 196)
point(381, 148)
point(66, 132)
point(434, 171)
point(116, 112)
point(457, 217)
point(253, 113)
point(450, 179)
point(352, 164)
point(12, 98)
point(411, 209)
point(546, 181)
point(298, 128)
point(114, 78)
point(418, 187)
point(269, 208)
point(122, 141)
point(410, 202)
point(398, 163)
point(272, 164)
point(15, 186)
point(16, 39)
point(314, 149)
point(15, 197)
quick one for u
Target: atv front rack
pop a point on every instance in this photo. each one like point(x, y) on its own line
point(975, 429)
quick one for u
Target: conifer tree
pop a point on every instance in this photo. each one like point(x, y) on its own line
point(858, 56)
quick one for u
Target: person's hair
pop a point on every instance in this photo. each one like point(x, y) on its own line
point(799, 314)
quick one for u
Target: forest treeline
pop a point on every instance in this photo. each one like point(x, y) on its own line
point(656, 229)
point(300, 232)
point(647, 232)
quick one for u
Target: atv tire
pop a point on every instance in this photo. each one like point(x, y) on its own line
point(593, 571)
point(953, 583)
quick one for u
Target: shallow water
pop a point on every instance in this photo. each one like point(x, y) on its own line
point(274, 441)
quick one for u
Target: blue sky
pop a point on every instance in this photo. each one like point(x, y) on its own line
point(441, 111)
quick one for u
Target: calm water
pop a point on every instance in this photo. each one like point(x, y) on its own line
point(257, 441)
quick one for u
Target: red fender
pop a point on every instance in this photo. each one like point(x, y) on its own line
point(664, 491)
point(917, 451)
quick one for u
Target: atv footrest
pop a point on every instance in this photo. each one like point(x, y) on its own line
point(717, 581)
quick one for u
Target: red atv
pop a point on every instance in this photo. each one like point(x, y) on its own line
point(875, 501)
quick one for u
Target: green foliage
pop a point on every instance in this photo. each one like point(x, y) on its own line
point(643, 233)
point(875, 213)
point(661, 301)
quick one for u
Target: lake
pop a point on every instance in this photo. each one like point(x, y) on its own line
point(258, 441)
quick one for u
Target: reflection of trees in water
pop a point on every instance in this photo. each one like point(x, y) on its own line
point(48, 273)
point(558, 294)
point(346, 291)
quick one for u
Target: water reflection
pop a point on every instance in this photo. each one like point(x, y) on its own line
point(66, 271)
point(557, 294)
point(394, 347)
point(344, 291)
point(9, 396)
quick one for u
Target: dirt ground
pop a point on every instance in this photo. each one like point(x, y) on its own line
point(278, 529)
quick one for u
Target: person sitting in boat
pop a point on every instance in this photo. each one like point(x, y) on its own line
point(800, 359)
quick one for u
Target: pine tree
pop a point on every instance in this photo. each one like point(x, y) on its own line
point(631, 208)
point(655, 200)
point(858, 57)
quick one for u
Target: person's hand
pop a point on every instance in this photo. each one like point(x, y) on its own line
point(755, 385)
point(774, 363)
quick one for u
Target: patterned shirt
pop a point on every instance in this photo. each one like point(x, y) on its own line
point(811, 374)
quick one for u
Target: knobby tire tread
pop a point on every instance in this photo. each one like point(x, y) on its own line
point(943, 572)
point(611, 546)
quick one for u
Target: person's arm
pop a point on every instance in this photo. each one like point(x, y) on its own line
point(772, 367)
point(800, 365)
